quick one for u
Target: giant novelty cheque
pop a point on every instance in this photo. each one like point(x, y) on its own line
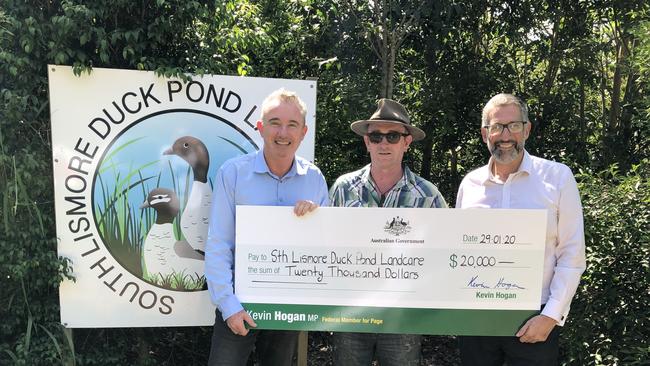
point(390, 270)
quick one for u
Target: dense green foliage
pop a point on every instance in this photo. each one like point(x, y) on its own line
point(610, 322)
point(583, 67)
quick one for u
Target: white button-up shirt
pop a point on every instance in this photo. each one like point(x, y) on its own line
point(540, 184)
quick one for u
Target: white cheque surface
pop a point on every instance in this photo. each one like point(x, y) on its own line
point(391, 257)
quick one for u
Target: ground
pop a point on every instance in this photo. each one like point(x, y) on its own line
point(436, 350)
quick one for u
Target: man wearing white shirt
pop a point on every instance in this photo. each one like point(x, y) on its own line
point(515, 179)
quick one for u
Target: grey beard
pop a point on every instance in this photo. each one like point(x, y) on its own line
point(506, 157)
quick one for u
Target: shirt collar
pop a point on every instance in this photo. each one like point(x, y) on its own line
point(407, 176)
point(365, 174)
point(525, 166)
point(297, 168)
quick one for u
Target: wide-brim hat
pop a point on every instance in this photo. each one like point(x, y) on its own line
point(388, 111)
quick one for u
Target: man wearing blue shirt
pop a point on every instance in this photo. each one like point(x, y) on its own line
point(274, 176)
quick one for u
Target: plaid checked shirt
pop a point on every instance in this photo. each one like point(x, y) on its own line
point(357, 189)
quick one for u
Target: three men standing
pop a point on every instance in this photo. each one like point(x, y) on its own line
point(511, 179)
point(515, 179)
point(385, 182)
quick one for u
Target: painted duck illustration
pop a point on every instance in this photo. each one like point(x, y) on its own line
point(163, 254)
point(195, 217)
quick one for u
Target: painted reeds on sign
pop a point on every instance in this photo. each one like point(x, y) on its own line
point(121, 223)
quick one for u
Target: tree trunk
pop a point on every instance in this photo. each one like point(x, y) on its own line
point(385, 52)
point(615, 108)
point(625, 122)
point(614, 146)
point(582, 132)
point(427, 150)
point(391, 73)
point(549, 79)
point(387, 41)
point(455, 181)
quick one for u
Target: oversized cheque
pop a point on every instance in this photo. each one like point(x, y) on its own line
point(391, 270)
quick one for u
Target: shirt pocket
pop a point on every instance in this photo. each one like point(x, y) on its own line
point(419, 202)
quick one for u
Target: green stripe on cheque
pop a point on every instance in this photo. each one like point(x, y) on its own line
point(388, 320)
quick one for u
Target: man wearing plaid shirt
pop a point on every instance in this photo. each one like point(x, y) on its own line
point(385, 182)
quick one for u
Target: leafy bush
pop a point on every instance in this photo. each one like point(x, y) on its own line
point(610, 320)
point(154, 36)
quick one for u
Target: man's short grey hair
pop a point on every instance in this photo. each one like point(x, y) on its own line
point(285, 96)
point(501, 100)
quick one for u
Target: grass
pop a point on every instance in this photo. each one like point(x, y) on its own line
point(120, 225)
point(178, 281)
point(24, 352)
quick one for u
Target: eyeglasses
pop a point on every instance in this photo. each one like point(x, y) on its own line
point(392, 137)
point(513, 127)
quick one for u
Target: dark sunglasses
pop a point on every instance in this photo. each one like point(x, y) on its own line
point(391, 137)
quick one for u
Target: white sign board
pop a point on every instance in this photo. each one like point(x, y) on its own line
point(134, 155)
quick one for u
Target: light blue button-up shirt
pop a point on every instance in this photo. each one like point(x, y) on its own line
point(247, 180)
